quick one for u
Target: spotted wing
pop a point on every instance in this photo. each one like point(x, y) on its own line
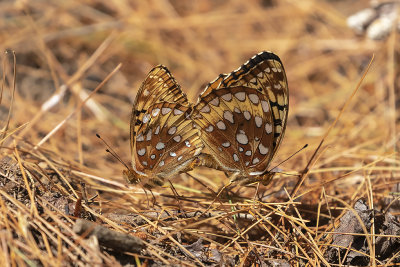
point(250, 142)
point(159, 86)
point(237, 128)
point(265, 73)
point(166, 142)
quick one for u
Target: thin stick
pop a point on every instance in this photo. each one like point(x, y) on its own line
point(306, 170)
point(77, 108)
point(5, 128)
point(59, 94)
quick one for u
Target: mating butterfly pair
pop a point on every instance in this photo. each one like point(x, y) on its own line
point(236, 126)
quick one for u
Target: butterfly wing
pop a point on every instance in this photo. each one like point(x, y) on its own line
point(265, 73)
point(263, 76)
point(237, 128)
point(159, 86)
point(166, 142)
point(163, 141)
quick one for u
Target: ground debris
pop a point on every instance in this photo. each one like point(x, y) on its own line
point(350, 238)
point(109, 238)
point(208, 255)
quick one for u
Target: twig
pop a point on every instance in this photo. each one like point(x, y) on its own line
point(109, 238)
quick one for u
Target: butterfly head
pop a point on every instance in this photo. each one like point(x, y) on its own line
point(131, 176)
point(266, 178)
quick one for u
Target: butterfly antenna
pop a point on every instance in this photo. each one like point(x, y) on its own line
point(291, 156)
point(112, 151)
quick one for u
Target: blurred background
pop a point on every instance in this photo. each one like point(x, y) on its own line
point(64, 49)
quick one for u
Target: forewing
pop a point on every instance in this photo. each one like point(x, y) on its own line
point(166, 141)
point(265, 73)
point(158, 87)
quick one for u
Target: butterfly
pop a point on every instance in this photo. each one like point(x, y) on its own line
point(242, 117)
point(162, 138)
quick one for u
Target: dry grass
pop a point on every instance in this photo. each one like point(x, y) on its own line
point(54, 169)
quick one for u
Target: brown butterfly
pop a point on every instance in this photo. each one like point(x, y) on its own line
point(162, 138)
point(242, 118)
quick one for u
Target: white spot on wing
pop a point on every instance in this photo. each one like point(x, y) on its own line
point(141, 152)
point(268, 128)
point(177, 112)
point(265, 106)
point(160, 145)
point(209, 129)
point(172, 130)
point(256, 160)
point(215, 102)
point(228, 116)
point(198, 151)
point(155, 112)
point(146, 118)
point(177, 138)
point(221, 125)
point(227, 97)
point(161, 163)
point(263, 150)
point(241, 96)
point(187, 143)
point(235, 157)
point(165, 111)
point(153, 156)
point(242, 138)
point(205, 109)
point(226, 144)
point(247, 115)
point(140, 138)
point(172, 154)
point(157, 130)
point(254, 98)
point(258, 121)
point(148, 136)
point(237, 110)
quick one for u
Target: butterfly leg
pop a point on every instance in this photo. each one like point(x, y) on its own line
point(264, 179)
point(202, 160)
point(206, 160)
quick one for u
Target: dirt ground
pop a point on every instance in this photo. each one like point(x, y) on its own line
point(72, 69)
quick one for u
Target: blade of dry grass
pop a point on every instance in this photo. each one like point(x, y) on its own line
point(77, 108)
